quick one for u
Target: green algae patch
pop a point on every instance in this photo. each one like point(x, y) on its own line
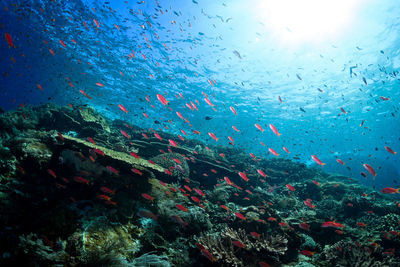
point(121, 156)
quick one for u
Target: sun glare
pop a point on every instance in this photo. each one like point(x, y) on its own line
point(301, 21)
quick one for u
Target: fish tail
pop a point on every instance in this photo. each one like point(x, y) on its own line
point(398, 190)
point(322, 164)
point(279, 134)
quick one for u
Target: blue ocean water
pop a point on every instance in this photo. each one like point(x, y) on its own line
point(325, 75)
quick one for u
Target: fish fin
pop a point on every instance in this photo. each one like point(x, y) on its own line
point(279, 134)
point(322, 164)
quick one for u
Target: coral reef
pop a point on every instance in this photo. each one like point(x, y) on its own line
point(112, 194)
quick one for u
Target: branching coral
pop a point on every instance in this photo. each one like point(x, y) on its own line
point(223, 247)
point(346, 253)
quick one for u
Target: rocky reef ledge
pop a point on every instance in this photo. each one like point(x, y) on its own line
point(77, 189)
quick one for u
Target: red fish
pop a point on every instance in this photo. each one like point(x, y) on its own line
point(81, 180)
point(317, 160)
point(361, 224)
point(208, 102)
point(391, 151)
point(304, 226)
point(208, 255)
point(195, 199)
point(97, 23)
point(238, 244)
point(9, 40)
point(98, 151)
point(261, 173)
point(390, 190)
point(234, 128)
point(125, 134)
point(315, 182)
point(198, 191)
point(309, 204)
point(60, 136)
point(369, 169)
point(339, 232)
point(213, 136)
point(162, 99)
point(240, 216)
point(287, 151)
point(225, 207)
point(227, 180)
point(172, 143)
point(332, 224)
point(107, 190)
point(273, 128)
point(180, 207)
point(255, 234)
point(100, 85)
point(133, 154)
point(243, 176)
point(104, 197)
point(112, 170)
point(344, 111)
point(158, 136)
point(258, 126)
point(62, 43)
point(148, 197)
point(307, 253)
point(233, 110)
point(121, 107)
point(273, 152)
point(280, 99)
point(290, 187)
point(51, 172)
point(230, 139)
point(137, 171)
point(179, 115)
point(82, 92)
point(340, 161)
